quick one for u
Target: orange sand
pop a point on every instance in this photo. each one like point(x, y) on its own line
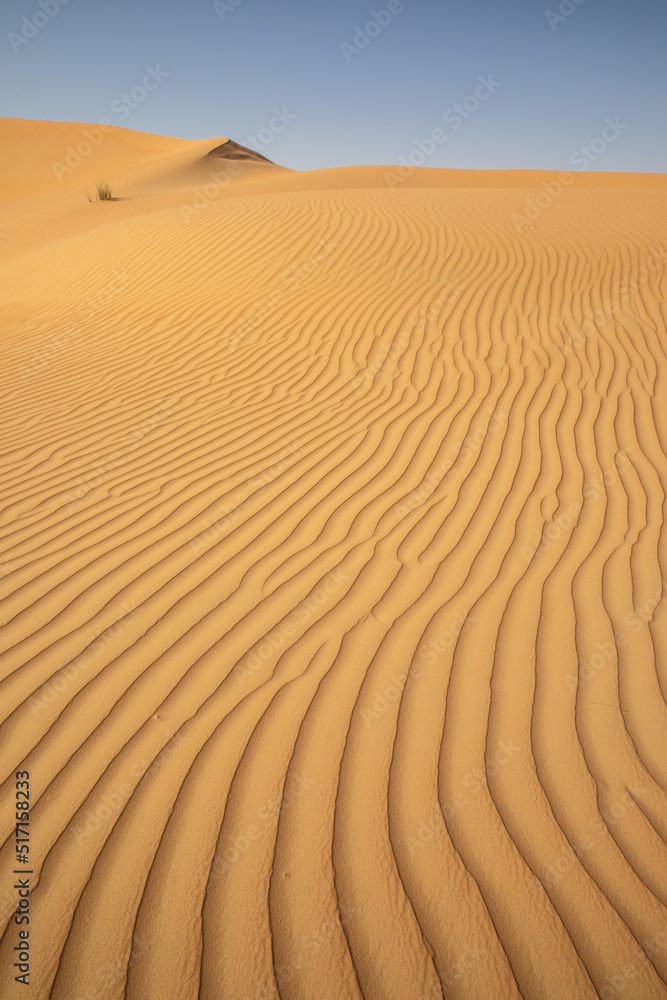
point(332, 577)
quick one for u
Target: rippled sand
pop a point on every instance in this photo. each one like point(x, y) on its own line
point(332, 574)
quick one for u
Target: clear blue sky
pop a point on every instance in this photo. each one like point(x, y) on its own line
point(229, 68)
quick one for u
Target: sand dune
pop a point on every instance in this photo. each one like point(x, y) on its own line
point(332, 577)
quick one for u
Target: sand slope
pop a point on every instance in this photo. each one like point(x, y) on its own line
point(332, 578)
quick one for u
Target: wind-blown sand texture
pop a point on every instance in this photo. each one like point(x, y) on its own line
point(332, 577)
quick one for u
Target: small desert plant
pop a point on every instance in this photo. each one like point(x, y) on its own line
point(103, 193)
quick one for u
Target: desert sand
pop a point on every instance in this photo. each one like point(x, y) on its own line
point(332, 576)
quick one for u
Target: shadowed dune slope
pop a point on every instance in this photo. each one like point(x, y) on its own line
point(332, 578)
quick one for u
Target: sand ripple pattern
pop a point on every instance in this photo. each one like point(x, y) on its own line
point(334, 628)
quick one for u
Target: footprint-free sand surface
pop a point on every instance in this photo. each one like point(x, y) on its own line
point(332, 576)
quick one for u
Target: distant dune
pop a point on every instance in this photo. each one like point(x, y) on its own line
point(332, 575)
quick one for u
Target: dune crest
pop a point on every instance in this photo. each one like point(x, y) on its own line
point(230, 150)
